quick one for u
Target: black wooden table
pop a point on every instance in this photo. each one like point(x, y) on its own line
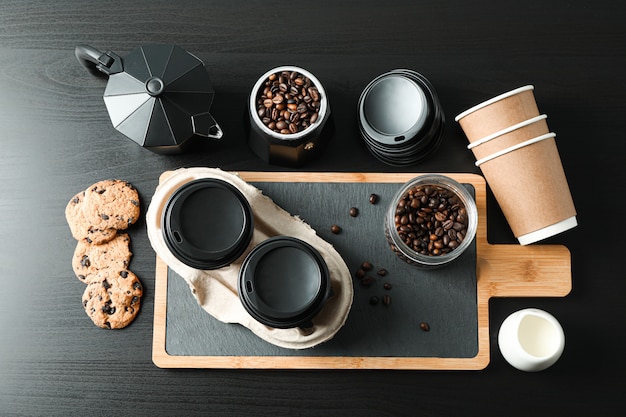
point(56, 139)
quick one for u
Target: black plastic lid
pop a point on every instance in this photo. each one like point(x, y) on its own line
point(207, 223)
point(396, 108)
point(284, 282)
point(400, 117)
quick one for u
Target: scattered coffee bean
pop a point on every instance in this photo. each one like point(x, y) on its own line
point(374, 300)
point(360, 273)
point(335, 229)
point(424, 326)
point(382, 272)
point(431, 220)
point(288, 102)
point(354, 211)
point(386, 299)
point(367, 281)
point(366, 266)
point(373, 198)
point(387, 286)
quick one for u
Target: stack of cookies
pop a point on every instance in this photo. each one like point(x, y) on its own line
point(97, 217)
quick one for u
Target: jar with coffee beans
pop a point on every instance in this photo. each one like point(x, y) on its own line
point(289, 113)
point(431, 221)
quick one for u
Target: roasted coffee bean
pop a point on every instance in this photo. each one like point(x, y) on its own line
point(354, 211)
point(360, 273)
point(367, 281)
point(285, 95)
point(431, 220)
point(424, 326)
point(382, 272)
point(386, 299)
point(374, 300)
point(387, 286)
point(373, 198)
point(366, 266)
point(335, 229)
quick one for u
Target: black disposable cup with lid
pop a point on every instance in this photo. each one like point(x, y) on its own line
point(284, 282)
point(400, 117)
point(207, 223)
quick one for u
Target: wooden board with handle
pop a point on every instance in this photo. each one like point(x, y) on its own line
point(502, 271)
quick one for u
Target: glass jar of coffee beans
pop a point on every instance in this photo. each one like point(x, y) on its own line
point(431, 220)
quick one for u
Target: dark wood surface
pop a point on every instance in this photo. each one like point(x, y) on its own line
point(56, 139)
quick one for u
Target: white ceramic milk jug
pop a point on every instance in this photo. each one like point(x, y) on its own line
point(531, 339)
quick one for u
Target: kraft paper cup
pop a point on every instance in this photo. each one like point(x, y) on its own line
point(520, 161)
point(530, 186)
point(510, 136)
point(498, 113)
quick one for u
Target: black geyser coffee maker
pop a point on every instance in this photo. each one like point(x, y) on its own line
point(158, 95)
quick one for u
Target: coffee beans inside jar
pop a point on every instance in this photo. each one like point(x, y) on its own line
point(431, 220)
point(288, 102)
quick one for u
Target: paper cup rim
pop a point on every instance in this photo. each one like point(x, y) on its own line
point(548, 231)
point(493, 100)
point(507, 130)
point(514, 148)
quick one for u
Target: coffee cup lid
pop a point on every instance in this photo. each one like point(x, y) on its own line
point(399, 117)
point(284, 282)
point(393, 109)
point(207, 223)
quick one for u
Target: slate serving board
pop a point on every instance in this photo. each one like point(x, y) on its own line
point(453, 300)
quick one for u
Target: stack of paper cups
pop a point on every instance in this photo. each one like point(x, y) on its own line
point(518, 156)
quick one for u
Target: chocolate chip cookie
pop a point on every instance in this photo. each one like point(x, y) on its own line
point(113, 298)
point(90, 258)
point(81, 227)
point(111, 204)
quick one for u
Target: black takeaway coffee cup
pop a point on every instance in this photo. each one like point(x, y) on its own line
point(207, 223)
point(284, 283)
point(400, 117)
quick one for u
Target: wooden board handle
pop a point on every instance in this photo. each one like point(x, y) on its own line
point(524, 271)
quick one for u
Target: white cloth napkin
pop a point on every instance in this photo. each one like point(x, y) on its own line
point(216, 290)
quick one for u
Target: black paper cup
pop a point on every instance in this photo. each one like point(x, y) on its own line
point(207, 223)
point(284, 283)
